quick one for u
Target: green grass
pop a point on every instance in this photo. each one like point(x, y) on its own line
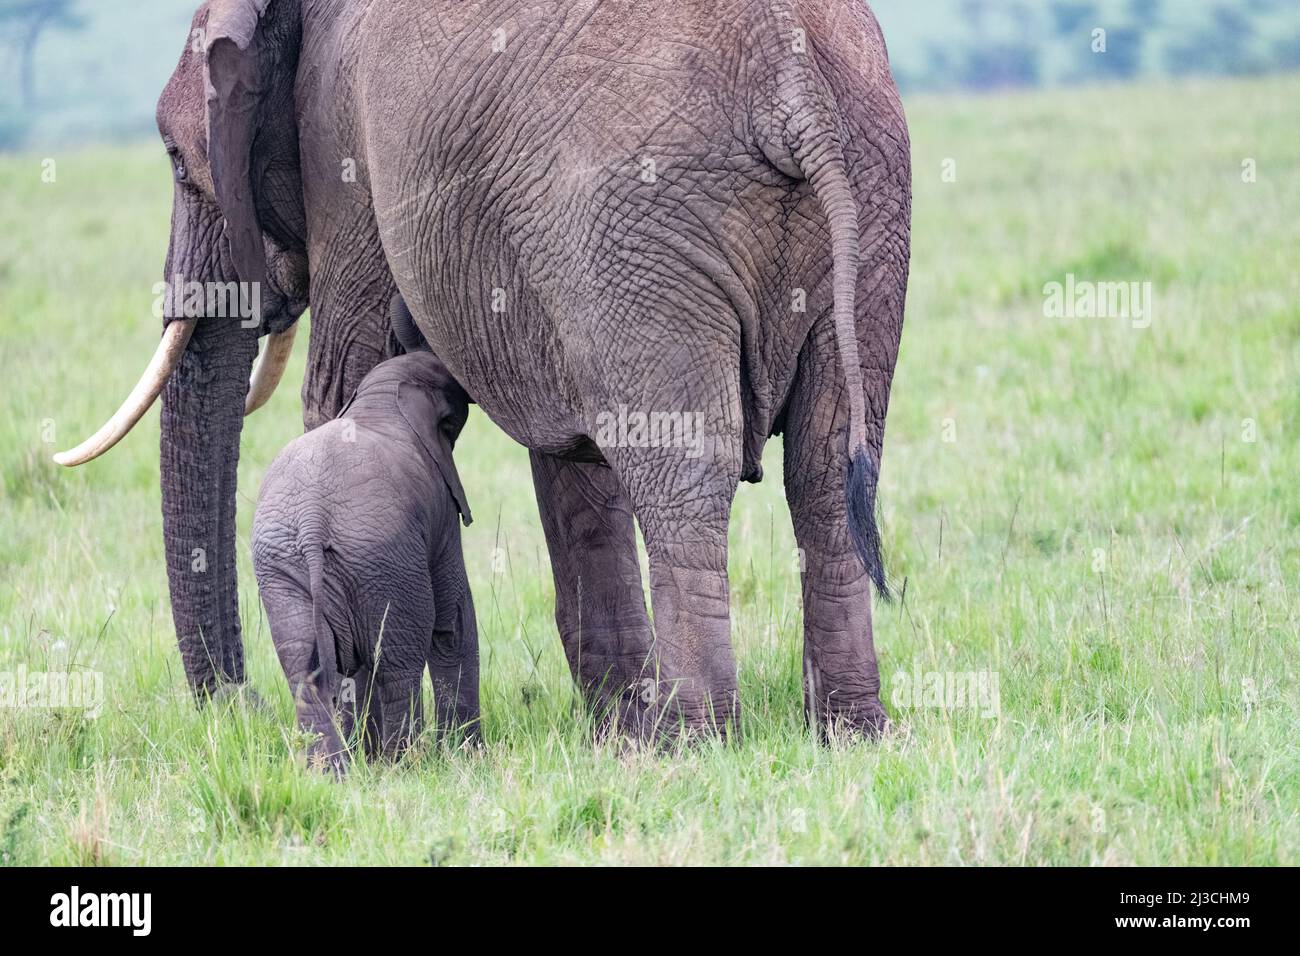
point(1148, 709)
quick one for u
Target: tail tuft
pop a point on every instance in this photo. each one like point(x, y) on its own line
point(860, 492)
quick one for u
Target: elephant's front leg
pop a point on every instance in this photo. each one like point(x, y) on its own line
point(841, 677)
point(351, 289)
point(453, 653)
point(599, 603)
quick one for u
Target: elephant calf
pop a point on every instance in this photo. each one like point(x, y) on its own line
point(356, 547)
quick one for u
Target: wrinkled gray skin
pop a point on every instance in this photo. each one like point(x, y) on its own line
point(356, 547)
point(685, 206)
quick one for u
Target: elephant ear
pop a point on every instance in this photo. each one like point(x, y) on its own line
point(425, 410)
point(234, 85)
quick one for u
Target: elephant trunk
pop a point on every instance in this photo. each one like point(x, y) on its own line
point(202, 416)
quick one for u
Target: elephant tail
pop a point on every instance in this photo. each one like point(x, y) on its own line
point(314, 555)
point(806, 127)
point(830, 184)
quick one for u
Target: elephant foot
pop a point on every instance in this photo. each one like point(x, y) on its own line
point(695, 720)
point(463, 733)
point(860, 720)
point(236, 693)
point(325, 759)
point(625, 720)
point(646, 714)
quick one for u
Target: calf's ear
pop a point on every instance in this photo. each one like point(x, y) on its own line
point(424, 416)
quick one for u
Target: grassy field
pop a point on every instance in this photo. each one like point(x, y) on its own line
point(1104, 517)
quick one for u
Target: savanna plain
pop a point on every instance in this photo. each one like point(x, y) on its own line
point(1104, 518)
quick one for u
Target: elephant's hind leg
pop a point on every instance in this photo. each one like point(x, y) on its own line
point(682, 498)
point(599, 601)
point(841, 677)
point(399, 628)
point(289, 614)
point(401, 715)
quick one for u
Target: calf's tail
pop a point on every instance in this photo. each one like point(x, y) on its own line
point(327, 655)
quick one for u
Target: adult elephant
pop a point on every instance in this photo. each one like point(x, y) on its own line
point(596, 211)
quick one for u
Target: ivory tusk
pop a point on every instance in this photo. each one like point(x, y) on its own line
point(175, 338)
point(269, 369)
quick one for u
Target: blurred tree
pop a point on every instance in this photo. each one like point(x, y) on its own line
point(22, 22)
point(1069, 18)
point(1225, 45)
point(1122, 59)
point(1236, 32)
point(1000, 66)
point(1286, 52)
point(1145, 13)
point(973, 11)
point(997, 54)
